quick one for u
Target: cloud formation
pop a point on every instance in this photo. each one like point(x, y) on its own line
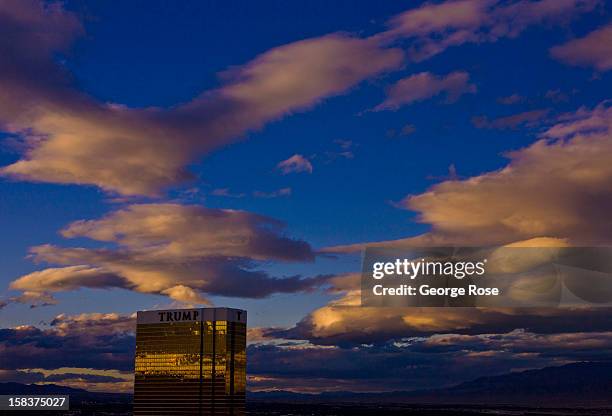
point(97, 341)
point(511, 99)
point(93, 351)
point(434, 27)
point(188, 252)
point(417, 362)
point(593, 50)
point(71, 138)
point(176, 250)
point(345, 323)
point(426, 85)
point(96, 351)
point(526, 118)
point(528, 198)
point(273, 194)
point(295, 164)
point(554, 192)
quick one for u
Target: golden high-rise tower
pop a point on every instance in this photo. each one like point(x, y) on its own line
point(190, 362)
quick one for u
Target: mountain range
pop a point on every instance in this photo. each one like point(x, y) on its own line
point(584, 384)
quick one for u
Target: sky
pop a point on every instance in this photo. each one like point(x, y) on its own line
point(159, 154)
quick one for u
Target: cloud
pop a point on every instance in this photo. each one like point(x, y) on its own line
point(273, 194)
point(97, 341)
point(418, 362)
point(406, 130)
point(185, 294)
point(176, 250)
point(96, 351)
point(593, 50)
point(346, 150)
point(344, 144)
point(93, 351)
point(511, 99)
point(227, 193)
point(553, 192)
point(520, 341)
point(98, 324)
point(345, 323)
point(295, 164)
point(434, 27)
point(107, 381)
point(69, 278)
point(426, 85)
point(33, 298)
point(71, 138)
point(83, 378)
point(528, 198)
point(192, 231)
point(527, 118)
point(556, 96)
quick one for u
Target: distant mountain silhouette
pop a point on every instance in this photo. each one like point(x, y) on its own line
point(18, 388)
point(76, 395)
point(586, 384)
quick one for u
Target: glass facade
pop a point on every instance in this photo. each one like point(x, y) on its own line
point(190, 362)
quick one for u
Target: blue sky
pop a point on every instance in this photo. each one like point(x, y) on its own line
point(364, 162)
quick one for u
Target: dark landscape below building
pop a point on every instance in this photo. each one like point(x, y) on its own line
point(573, 389)
point(586, 384)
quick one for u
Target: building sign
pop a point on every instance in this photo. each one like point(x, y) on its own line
point(192, 315)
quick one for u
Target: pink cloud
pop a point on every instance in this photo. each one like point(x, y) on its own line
point(72, 138)
point(273, 194)
point(295, 164)
point(594, 50)
point(434, 27)
point(181, 251)
point(527, 198)
point(426, 85)
point(526, 118)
